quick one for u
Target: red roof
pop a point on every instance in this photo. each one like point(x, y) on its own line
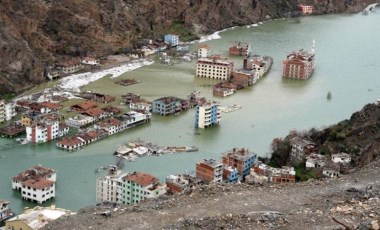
point(85, 105)
point(94, 112)
point(70, 141)
point(143, 179)
point(51, 105)
point(38, 183)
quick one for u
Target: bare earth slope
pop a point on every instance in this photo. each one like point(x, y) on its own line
point(34, 33)
point(351, 199)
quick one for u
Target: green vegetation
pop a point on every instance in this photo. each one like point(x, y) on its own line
point(303, 174)
point(185, 33)
point(8, 96)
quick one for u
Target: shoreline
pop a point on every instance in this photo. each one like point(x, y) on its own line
point(75, 81)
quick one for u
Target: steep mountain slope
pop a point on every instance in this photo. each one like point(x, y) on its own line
point(34, 33)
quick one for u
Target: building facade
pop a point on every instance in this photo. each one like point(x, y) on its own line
point(43, 131)
point(215, 67)
point(167, 106)
point(244, 78)
point(9, 111)
point(240, 49)
point(141, 105)
point(230, 174)
point(138, 186)
point(258, 64)
point(209, 171)
point(207, 115)
point(90, 61)
point(171, 39)
point(71, 66)
point(298, 65)
point(300, 149)
point(343, 158)
point(240, 159)
point(306, 9)
point(36, 184)
point(203, 51)
point(109, 187)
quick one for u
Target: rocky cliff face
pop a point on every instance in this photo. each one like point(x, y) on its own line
point(358, 136)
point(34, 33)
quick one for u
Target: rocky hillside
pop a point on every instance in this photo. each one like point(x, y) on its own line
point(34, 33)
point(359, 136)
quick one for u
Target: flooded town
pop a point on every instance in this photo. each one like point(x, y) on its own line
point(172, 118)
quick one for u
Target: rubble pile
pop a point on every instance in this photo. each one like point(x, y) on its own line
point(349, 202)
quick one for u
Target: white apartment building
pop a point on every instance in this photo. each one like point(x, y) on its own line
point(141, 105)
point(44, 131)
point(9, 111)
point(36, 184)
point(214, 67)
point(203, 51)
point(207, 115)
point(38, 190)
point(108, 188)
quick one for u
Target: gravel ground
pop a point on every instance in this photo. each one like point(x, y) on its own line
point(353, 200)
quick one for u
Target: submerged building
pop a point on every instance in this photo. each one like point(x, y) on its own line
point(215, 67)
point(207, 114)
point(299, 65)
point(36, 184)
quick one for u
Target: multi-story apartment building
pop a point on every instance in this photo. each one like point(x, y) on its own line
point(42, 131)
point(209, 171)
point(171, 39)
point(138, 186)
point(241, 159)
point(169, 105)
point(141, 105)
point(36, 184)
point(300, 149)
point(298, 65)
point(9, 111)
point(207, 114)
point(109, 187)
point(215, 67)
point(203, 51)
